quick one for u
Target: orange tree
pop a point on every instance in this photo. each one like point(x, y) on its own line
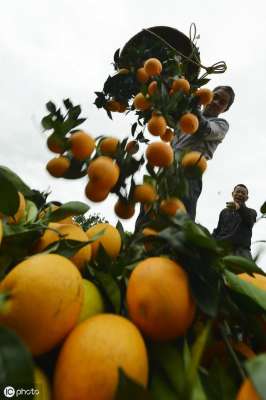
point(171, 293)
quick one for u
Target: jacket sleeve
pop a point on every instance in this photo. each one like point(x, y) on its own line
point(216, 231)
point(248, 216)
point(214, 130)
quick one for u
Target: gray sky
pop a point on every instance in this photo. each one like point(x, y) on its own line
point(54, 50)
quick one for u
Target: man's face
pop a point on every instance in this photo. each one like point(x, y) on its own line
point(240, 194)
point(219, 103)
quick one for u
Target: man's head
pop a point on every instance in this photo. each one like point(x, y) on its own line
point(223, 98)
point(240, 193)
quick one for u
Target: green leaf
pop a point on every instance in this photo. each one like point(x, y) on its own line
point(198, 237)
point(16, 181)
point(239, 264)
point(256, 368)
point(127, 389)
point(47, 122)
point(219, 384)
point(68, 209)
point(248, 289)
point(9, 199)
point(51, 107)
point(263, 208)
point(31, 212)
point(110, 288)
point(74, 112)
point(160, 388)
point(65, 247)
point(16, 364)
point(68, 104)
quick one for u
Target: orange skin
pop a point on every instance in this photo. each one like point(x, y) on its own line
point(82, 145)
point(168, 135)
point(194, 163)
point(113, 106)
point(181, 85)
point(142, 75)
point(171, 206)
point(159, 154)
point(95, 193)
point(124, 210)
point(57, 167)
point(189, 123)
point(103, 172)
point(87, 366)
point(144, 193)
point(157, 125)
point(152, 88)
point(108, 146)
point(110, 240)
point(141, 102)
point(132, 147)
point(247, 391)
point(205, 96)
point(159, 299)
point(153, 67)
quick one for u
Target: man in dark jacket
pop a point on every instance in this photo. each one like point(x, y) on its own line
point(236, 222)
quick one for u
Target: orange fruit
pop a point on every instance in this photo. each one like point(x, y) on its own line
point(113, 106)
point(42, 384)
point(153, 66)
point(20, 213)
point(153, 86)
point(257, 280)
point(141, 102)
point(87, 366)
point(149, 232)
point(122, 107)
point(54, 144)
point(46, 293)
point(108, 146)
point(144, 193)
point(168, 135)
point(58, 166)
point(181, 85)
point(171, 206)
point(189, 123)
point(159, 299)
point(70, 232)
point(110, 239)
point(82, 145)
point(159, 154)
point(157, 125)
point(95, 193)
point(247, 391)
point(124, 209)
point(194, 163)
point(132, 147)
point(103, 172)
point(142, 75)
point(205, 96)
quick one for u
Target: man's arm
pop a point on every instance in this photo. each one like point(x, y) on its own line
point(248, 215)
point(214, 130)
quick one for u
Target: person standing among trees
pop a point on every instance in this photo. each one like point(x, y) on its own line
point(236, 222)
point(211, 132)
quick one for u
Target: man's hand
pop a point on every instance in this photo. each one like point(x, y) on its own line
point(233, 205)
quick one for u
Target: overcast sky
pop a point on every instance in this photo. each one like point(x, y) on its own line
point(58, 49)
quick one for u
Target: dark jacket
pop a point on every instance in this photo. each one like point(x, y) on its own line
point(235, 226)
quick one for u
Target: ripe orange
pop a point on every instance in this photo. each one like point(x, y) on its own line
point(142, 75)
point(194, 163)
point(132, 147)
point(247, 391)
point(123, 209)
point(205, 96)
point(153, 86)
point(168, 135)
point(20, 211)
point(171, 206)
point(82, 145)
point(157, 125)
point(95, 193)
point(113, 106)
point(122, 107)
point(110, 240)
point(189, 123)
point(159, 154)
point(58, 166)
point(181, 85)
point(257, 280)
point(144, 193)
point(159, 299)
point(153, 66)
point(108, 146)
point(46, 293)
point(54, 144)
point(87, 366)
point(103, 172)
point(70, 232)
point(141, 102)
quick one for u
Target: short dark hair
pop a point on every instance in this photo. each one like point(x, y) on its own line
point(231, 93)
point(242, 185)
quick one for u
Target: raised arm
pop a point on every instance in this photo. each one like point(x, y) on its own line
point(213, 130)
